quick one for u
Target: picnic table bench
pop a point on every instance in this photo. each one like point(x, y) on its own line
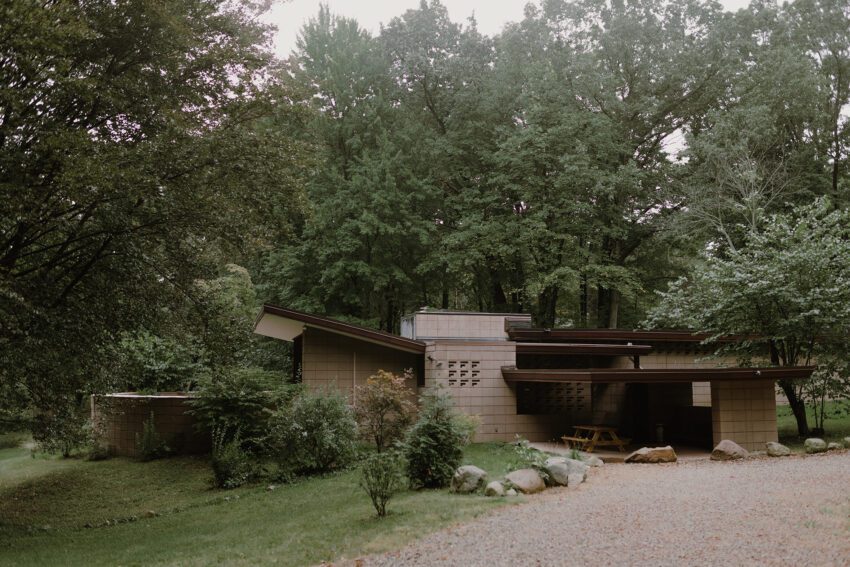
point(588, 437)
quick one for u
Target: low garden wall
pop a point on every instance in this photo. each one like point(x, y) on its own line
point(120, 418)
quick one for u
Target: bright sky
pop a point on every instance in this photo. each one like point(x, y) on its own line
point(490, 14)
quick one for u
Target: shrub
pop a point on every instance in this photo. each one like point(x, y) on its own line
point(526, 456)
point(149, 445)
point(314, 433)
point(232, 465)
point(384, 408)
point(382, 478)
point(61, 430)
point(433, 447)
point(239, 400)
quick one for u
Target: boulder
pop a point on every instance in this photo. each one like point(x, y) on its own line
point(652, 455)
point(846, 441)
point(560, 469)
point(814, 445)
point(527, 481)
point(591, 460)
point(468, 478)
point(575, 480)
point(510, 492)
point(494, 488)
point(777, 449)
point(728, 450)
point(834, 446)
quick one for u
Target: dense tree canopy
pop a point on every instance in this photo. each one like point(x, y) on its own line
point(568, 167)
point(786, 293)
point(136, 150)
point(161, 173)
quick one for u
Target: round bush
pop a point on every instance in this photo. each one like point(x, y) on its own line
point(315, 433)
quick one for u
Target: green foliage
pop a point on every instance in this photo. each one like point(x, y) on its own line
point(786, 293)
point(239, 400)
point(157, 364)
point(433, 448)
point(384, 408)
point(314, 433)
point(149, 444)
point(62, 430)
point(527, 456)
point(232, 466)
point(129, 130)
point(382, 476)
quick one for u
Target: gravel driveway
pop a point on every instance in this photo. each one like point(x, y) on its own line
point(787, 511)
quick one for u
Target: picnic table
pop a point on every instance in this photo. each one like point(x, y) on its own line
point(588, 437)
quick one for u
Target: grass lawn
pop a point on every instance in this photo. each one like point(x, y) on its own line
point(164, 512)
point(836, 424)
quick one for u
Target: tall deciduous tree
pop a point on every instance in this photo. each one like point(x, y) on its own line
point(785, 293)
point(130, 147)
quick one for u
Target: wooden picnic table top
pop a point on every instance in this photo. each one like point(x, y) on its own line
point(602, 428)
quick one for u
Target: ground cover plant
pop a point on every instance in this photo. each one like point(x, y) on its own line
point(166, 512)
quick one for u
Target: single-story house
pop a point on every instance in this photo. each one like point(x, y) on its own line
point(653, 386)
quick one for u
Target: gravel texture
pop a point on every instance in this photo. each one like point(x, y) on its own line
point(760, 511)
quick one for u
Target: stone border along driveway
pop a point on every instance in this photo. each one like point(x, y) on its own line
point(761, 511)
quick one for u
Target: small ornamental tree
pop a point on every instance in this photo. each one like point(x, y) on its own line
point(382, 477)
point(433, 447)
point(786, 293)
point(384, 409)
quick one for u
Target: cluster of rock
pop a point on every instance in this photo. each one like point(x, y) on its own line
point(728, 450)
point(815, 445)
point(556, 471)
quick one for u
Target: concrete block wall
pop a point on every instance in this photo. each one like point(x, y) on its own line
point(490, 399)
point(744, 412)
point(330, 360)
point(701, 390)
point(445, 325)
point(120, 419)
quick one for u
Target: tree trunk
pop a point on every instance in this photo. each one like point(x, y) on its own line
point(613, 308)
point(583, 301)
point(601, 307)
point(500, 301)
point(544, 313)
point(798, 407)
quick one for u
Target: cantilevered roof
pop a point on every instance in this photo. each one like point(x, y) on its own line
point(582, 349)
point(520, 334)
point(286, 324)
point(642, 375)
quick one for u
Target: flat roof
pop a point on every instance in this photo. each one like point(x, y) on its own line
point(286, 324)
point(520, 334)
point(649, 375)
point(604, 349)
point(469, 313)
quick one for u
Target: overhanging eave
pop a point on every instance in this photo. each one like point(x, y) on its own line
point(659, 375)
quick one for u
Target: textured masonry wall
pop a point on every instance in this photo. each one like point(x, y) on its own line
point(490, 399)
point(701, 390)
point(335, 361)
point(121, 417)
point(466, 326)
point(744, 412)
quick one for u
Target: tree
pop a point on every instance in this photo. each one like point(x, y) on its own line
point(785, 294)
point(132, 146)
